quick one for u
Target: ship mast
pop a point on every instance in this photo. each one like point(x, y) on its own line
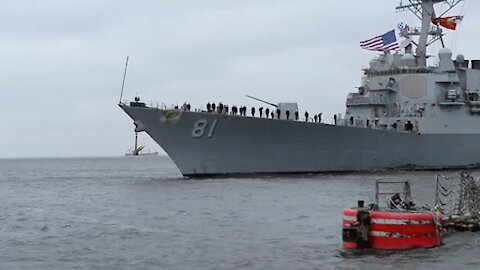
point(425, 11)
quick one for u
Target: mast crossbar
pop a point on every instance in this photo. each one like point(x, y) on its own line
point(424, 10)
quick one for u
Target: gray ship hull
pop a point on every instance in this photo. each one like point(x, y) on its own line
point(205, 144)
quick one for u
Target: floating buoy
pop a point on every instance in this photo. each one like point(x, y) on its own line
point(390, 229)
point(397, 226)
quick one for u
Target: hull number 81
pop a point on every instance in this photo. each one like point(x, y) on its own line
point(202, 126)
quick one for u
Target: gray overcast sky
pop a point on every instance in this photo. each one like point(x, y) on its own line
point(62, 61)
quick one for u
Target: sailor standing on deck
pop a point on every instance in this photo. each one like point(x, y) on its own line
point(253, 111)
point(220, 108)
point(267, 112)
point(306, 116)
point(260, 110)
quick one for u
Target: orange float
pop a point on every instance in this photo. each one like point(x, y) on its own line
point(396, 228)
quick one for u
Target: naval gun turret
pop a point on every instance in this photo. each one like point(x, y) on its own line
point(286, 110)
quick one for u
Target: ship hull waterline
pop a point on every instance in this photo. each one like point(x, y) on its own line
point(210, 144)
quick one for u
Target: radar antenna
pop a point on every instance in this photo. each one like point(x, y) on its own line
point(424, 10)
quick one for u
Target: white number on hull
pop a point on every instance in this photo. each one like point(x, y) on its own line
point(200, 127)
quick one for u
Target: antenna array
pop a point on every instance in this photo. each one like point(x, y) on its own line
point(415, 6)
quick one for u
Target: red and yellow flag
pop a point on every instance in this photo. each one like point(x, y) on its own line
point(448, 22)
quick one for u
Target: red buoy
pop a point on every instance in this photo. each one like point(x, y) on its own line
point(395, 230)
point(399, 225)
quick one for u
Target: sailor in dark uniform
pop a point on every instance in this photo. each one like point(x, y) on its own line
point(209, 107)
point(267, 112)
point(253, 111)
point(260, 110)
point(409, 126)
point(306, 116)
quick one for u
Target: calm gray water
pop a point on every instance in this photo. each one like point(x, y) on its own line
point(138, 213)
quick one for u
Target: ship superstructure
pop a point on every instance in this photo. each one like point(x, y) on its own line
point(405, 114)
point(400, 92)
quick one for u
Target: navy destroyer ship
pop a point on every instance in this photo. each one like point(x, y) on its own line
point(405, 114)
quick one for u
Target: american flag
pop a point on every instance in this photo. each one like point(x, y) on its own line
point(385, 42)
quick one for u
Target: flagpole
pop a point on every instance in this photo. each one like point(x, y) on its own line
point(123, 82)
